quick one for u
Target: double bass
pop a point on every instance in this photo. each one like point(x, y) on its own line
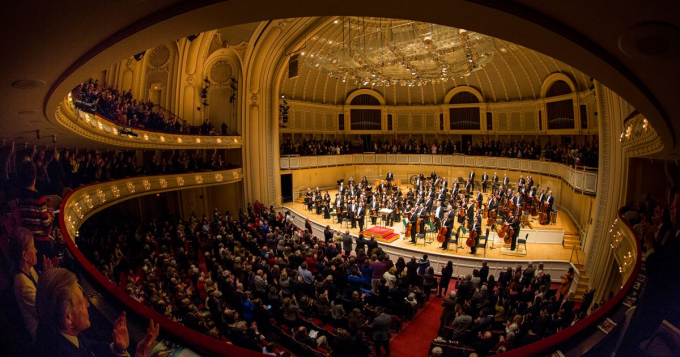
point(543, 217)
point(418, 226)
point(485, 212)
point(506, 233)
point(534, 207)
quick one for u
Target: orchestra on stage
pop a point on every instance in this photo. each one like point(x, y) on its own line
point(446, 209)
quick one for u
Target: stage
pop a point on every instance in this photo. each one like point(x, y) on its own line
point(544, 242)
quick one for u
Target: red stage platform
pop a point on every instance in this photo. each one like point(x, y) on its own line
point(382, 234)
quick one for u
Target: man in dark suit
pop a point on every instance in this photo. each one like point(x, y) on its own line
point(381, 331)
point(63, 315)
point(550, 200)
point(359, 215)
point(472, 178)
point(485, 178)
point(468, 188)
point(413, 219)
point(506, 180)
point(480, 199)
point(375, 207)
point(484, 274)
point(351, 211)
point(390, 176)
point(447, 221)
point(494, 184)
point(476, 227)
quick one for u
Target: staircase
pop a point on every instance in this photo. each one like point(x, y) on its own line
point(583, 282)
point(572, 240)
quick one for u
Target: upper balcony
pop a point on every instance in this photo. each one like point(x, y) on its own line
point(98, 128)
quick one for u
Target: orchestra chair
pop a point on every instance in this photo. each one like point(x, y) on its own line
point(346, 220)
point(455, 241)
point(524, 242)
point(420, 235)
point(432, 232)
point(334, 217)
point(483, 244)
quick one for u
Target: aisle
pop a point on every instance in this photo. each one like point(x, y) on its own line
point(414, 339)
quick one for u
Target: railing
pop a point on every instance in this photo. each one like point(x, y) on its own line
point(579, 179)
point(99, 128)
point(568, 336)
point(84, 201)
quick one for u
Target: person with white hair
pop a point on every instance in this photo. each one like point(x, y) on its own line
point(63, 315)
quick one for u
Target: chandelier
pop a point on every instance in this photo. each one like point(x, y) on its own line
point(384, 52)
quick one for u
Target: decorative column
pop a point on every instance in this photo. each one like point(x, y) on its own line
point(611, 173)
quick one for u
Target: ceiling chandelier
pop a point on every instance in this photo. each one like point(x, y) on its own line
point(384, 52)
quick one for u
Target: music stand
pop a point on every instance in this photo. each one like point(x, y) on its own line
point(384, 212)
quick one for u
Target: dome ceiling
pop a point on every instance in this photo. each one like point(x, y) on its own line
point(514, 73)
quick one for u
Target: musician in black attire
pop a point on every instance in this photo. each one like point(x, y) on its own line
point(494, 184)
point(476, 227)
point(550, 200)
point(351, 211)
point(472, 179)
point(448, 224)
point(390, 176)
point(485, 178)
point(514, 223)
point(375, 207)
point(413, 219)
point(309, 198)
point(360, 214)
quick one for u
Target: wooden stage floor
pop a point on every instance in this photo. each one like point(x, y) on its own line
point(534, 251)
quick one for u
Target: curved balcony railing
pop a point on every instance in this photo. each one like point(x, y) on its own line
point(81, 203)
point(623, 238)
point(581, 180)
point(101, 129)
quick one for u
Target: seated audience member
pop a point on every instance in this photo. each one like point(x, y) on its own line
point(62, 315)
point(303, 337)
point(23, 252)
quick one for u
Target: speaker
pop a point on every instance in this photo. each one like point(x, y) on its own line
point(293, 66)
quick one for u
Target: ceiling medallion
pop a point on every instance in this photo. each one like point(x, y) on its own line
point(384, 52)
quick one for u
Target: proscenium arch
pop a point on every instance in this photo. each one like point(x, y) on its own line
point(509, 21)
point(554, 78)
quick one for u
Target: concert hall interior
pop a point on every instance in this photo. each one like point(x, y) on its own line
point(319, 178)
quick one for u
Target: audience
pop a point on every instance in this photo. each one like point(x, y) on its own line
point(581, 154)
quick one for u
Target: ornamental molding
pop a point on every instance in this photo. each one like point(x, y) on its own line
point(96, 128)
point(639, 137)
point(85, 201)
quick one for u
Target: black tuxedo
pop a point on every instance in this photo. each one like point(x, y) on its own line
point(476, 227)
point(550, 200)
point(485, 178)
point(413, 218)
point(359, 216)
point(390, 176)
point(448, 224)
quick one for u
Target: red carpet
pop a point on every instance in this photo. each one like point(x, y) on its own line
point(389, 239)
point(414, 339)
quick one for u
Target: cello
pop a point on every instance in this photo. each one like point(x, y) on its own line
point(485, 212)
point(441, 237)
point(470, 242)
point(506, 233)
point(492, 217)
point(408, 230)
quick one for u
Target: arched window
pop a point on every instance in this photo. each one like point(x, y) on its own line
point(464, 118)
point(365, 118)
point(561, 112)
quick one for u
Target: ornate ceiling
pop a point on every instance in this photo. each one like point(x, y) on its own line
point(516, 73)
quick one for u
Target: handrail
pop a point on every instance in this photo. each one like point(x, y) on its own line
point(544, 346)
point(580, 180)
point(183, 333)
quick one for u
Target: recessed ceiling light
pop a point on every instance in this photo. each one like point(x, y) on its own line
point(28, 84)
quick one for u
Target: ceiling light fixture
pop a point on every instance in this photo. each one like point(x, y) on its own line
point(382, 52)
